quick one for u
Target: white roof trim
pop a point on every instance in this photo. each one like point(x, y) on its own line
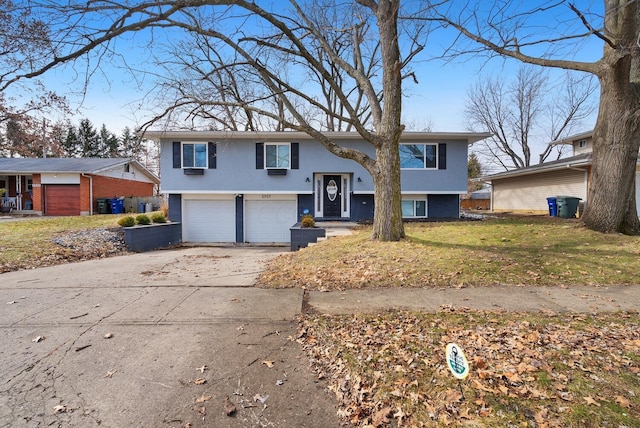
point(471, 137)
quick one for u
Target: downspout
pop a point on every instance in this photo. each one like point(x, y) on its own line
point(90, 192)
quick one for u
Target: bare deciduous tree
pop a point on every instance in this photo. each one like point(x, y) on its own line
point(551, 34)
point(268, 48)
point(520, 113)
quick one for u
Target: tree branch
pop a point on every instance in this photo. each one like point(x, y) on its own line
point(592, 30)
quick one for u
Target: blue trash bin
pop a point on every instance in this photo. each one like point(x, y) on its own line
point(553, 206)
point(141, 207)
point(117, 206)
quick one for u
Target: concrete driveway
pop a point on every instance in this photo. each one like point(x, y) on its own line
point(155, 340)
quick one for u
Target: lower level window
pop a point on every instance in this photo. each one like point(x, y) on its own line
point(414, 208)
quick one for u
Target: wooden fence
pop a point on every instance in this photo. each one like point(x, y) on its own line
point(140, 204)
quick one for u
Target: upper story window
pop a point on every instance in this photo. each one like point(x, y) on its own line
point(277, 155)
point(418, 156)
point(194, 155)
point(194, 158)
point(582, 144)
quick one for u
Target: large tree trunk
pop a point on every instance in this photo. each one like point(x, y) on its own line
point(387, 217)
point(611, 201)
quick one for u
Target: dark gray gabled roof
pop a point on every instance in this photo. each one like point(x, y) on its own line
point(10, 166)
point(579, 161)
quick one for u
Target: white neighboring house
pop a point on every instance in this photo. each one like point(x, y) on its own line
point(525, 190)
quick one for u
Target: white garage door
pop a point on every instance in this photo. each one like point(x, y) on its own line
point(269, 220)
point(209, 220)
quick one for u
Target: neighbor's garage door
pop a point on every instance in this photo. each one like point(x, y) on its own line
point(269, 220)
point(209, 220)
point(62, 199)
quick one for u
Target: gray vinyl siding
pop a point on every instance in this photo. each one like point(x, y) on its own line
point(236, 170)
point(530, 192)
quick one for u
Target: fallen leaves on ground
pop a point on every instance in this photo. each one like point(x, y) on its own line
point(203, 398)
point(540, 369)
point(229, 407)
point(60, 408)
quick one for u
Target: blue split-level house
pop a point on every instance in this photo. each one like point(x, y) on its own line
point(252, 187)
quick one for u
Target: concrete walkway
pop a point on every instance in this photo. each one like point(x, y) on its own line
point(584, 299)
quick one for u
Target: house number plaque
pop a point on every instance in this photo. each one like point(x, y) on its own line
point(332, 190)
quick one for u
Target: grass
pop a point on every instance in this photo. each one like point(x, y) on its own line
point(29, 242)
point(505, 251)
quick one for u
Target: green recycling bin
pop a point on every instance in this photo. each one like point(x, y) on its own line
point(567, 206)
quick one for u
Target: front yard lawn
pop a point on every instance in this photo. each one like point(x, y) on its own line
point(29, 243)
point(507, 251)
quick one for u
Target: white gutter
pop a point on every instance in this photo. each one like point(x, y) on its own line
point(90, 192)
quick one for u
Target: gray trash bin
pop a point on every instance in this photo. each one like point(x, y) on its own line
point(567, 206)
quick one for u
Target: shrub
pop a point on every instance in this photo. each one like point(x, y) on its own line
point(307, 221)
point(127, 221)
point(164, 209)
point(158, 218)
point(143, 219)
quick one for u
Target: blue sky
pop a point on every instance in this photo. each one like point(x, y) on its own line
point(113, 97)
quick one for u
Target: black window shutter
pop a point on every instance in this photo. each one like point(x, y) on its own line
point(442, 156)
point(212, 155)
point(259, 155)
point(177, 158)
point(295, 155)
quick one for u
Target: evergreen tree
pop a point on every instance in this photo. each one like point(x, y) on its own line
point(88, 140)
point(71, 144)
point(107, 143)
point(474, 170)
point(130, 144)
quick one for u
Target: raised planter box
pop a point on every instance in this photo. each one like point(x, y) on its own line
point(153, 236)
point(302, 236)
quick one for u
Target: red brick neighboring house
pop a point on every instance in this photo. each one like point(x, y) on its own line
point(70, 186)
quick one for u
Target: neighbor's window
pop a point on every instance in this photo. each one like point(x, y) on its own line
point(277, 155)
point(582, 144)
point(418, 156)
point(414, 208)
point(194, 155)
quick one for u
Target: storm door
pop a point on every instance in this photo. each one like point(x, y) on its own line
point(332, 191)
